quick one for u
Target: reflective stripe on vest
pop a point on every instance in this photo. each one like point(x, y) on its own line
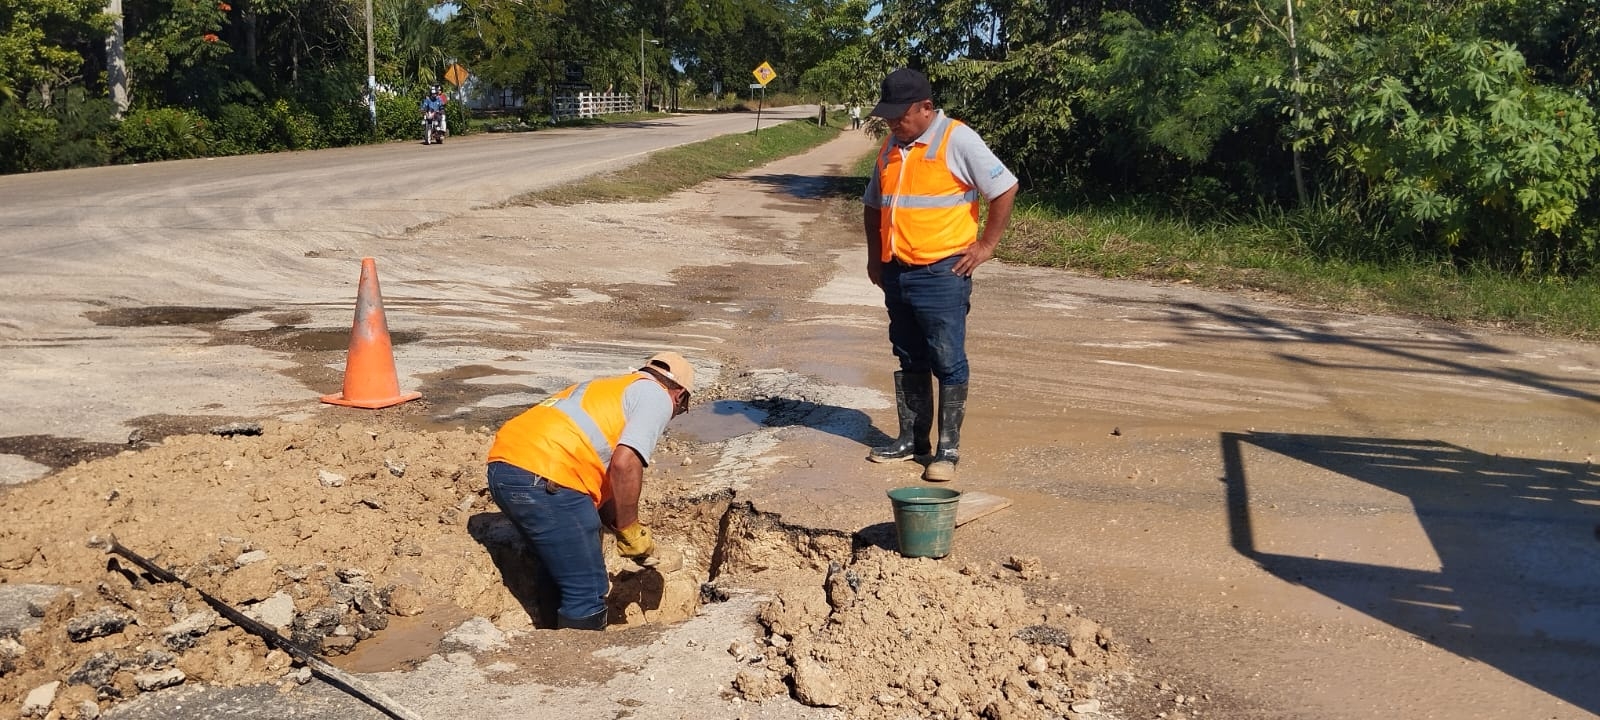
point(572, 407)
point(926, 213)
point(569, 438)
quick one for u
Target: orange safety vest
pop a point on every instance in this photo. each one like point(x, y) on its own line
point(926, 213)
point(568, 438)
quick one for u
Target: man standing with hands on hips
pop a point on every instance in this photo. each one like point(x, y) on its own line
point(923, 244)
point(575, 463)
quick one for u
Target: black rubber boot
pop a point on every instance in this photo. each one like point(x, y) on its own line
point(597, 621)
point(952, 410)
point(913, 399)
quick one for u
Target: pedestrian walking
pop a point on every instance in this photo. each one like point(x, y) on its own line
point(574, 464)
point(923, 244)
point(855, 116)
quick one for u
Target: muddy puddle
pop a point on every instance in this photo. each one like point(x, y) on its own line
point(57, 453)
point(406, 642)
point(159, 315)
point(718, 421)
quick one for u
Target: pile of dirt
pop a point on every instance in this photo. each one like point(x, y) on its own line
point(887, 636)
point(323, 532)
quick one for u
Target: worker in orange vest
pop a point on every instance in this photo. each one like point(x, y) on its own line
point(574, 464)
point(923, 244)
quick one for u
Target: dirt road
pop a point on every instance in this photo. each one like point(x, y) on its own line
point(1279, 513)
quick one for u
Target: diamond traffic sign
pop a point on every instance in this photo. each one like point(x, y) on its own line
point(456, 75)
point(764, 74)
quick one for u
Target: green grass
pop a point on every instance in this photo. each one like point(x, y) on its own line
point(674, 169)
point(1276, 254)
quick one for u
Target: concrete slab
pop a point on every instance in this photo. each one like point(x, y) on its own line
point(976, 504)
point(15, 601)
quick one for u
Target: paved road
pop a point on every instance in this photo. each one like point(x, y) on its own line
point(81, 249)
point(100, 214)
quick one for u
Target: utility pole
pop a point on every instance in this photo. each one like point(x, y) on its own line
point(642, 104)
point(1294, 55)
point(116, 61)
point(372, 77)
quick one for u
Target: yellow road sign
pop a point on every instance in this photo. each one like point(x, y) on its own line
point(764, 74)
point(456, 75)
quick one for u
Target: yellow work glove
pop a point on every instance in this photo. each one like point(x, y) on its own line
point(634, 541)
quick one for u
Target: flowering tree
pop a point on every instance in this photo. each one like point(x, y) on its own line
point(176, 55)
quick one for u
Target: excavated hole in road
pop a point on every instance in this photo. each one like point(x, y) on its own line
point(726, 546)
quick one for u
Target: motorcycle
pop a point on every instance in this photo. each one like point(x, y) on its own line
point(432, 127)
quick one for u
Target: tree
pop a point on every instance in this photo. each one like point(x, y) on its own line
point(176, 54)
point(833, 45)
point(44, 44)
point(280, 44)
point(1446, 136)
point(720, 41)
point(411, 42)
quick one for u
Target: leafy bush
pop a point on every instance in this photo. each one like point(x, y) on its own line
point(161, 134)
point(241, 129)
point(456, 115)
point(71, 133)
point(1451, 143)
point(346, 124)
point(282, 125)
point(83, 129)
point(296, 128)
point(1468, 146)
point(399, 117)
point(20, 128)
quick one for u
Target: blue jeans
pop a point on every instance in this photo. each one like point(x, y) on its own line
point(563, 527)
point(928, 307)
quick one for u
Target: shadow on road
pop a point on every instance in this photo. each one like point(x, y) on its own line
point(812, 187)
point(1519, 581)
point(847, 423)
point(880, 535)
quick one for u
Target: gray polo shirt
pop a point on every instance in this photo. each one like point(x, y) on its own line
point(646, 408)
point(969, 159)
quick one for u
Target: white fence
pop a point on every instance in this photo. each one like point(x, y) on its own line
point(583, 105)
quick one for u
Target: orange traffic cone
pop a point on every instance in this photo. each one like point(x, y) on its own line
point(369, 376)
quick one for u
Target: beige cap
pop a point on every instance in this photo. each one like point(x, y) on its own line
point(674, 367)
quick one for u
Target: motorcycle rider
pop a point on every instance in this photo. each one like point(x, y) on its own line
point(434, 102)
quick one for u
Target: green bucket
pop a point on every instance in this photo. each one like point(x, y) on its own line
point(924, 520)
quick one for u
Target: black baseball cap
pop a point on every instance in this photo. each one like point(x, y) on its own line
point(901, 89)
